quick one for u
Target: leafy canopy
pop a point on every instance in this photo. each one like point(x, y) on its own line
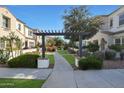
point(79, 19)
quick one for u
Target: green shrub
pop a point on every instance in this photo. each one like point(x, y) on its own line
point(110, 54)
point(117, 48)
point(92, 47)
point(65, 46)
point(25, 61)
point(90, 62)
point(4, 56)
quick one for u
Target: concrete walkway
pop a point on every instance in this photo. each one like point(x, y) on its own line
point(62, 75)
point(22, 73)
point(113, 78)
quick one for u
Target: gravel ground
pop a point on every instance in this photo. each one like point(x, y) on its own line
point(114, 64)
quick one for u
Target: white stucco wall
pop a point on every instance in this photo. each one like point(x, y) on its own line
point(106, 27)
point(115, 17)
point(99, 36)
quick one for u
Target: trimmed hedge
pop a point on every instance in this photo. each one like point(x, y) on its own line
point(90, 62)
point(25, 61)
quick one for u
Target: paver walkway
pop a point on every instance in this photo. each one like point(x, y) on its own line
point(62, 75)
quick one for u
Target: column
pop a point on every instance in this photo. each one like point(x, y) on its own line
point(43, 46)
point(80, 45)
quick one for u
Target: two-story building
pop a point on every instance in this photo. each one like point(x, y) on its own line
point(9, 23)
point(112, 30)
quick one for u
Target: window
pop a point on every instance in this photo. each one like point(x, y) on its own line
point(19, 26)
point(123, 41)
point(111, 22)
point(117, 41)
point(121, 19)
point(2, 45)
point(30, 33)
point(6, 22)
point(31, 44)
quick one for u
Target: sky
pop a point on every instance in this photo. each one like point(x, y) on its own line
point(50, 17)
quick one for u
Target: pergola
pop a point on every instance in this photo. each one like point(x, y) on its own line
point(44, 33)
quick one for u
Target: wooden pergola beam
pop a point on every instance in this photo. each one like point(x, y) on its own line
point(44, 33)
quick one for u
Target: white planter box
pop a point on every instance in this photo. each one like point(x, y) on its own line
point(76, 62)
point(42, 63)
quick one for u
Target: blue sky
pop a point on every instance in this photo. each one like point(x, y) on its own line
point(50, 17)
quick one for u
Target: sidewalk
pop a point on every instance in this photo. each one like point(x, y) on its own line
point(25, 73)
point(62, 75)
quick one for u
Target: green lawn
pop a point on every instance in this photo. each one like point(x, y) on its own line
point(20, 83)
point(69, 57)
point(62, 51)
point(51, 58)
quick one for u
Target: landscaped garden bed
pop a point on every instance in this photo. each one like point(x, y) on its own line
point(108, 59)
point(20, 83)
point(24, 61)
point(113, 64)
point(90, 62)
point(28, 60)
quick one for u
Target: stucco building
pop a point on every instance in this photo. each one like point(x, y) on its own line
point(112, 30)
point(9, 23)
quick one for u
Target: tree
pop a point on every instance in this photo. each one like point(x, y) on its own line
point(10, 41)
point(4, 56)
point(50, 42)
point(19, 44)
point(58, 42)
point(79, 19)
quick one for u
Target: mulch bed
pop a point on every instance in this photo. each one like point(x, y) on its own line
point(6, 66)
point(113, 64)
point(51, 66)
point(74, 67)
point(3, 65)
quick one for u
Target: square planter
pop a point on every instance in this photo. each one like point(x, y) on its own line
point(76, 62)
point(42, 63)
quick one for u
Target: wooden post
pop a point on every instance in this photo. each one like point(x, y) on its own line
point(43, 46)
point(80, 45)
